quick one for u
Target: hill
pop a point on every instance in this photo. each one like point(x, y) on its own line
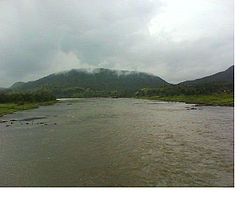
point(219, 83)
point(17, 85)
point(226, 76)
point(216, 83)
point(99, 82)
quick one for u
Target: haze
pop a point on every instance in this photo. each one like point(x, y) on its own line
point(175, 39)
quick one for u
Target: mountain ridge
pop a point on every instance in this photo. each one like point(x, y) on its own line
point(101, 82)
point(76, 81)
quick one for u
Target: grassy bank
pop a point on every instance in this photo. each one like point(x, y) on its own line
point(7, 108)
point(210, 100)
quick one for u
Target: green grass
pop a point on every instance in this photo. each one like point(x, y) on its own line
point(7, 108)
point(210, 100)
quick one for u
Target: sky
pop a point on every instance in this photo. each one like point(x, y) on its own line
point(175, 39)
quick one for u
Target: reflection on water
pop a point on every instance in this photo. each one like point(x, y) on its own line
point(117, 142)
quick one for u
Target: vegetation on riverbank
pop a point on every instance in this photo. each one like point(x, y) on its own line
point(8, 108)
point(12, 101)
point(26, 97)
point(211, 100)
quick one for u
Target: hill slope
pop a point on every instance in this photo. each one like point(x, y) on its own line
point(219, 83)
point(226, 76)
point(99, 82)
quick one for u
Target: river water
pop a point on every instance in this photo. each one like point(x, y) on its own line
point(118, 142)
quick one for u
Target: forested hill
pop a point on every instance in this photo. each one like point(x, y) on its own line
point(226, 76)
point(219, 83)
point(99, 82)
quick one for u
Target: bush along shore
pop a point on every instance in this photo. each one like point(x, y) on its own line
point(205, 100)
point(12, 102)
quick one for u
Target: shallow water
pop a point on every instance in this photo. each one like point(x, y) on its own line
point(118, 142)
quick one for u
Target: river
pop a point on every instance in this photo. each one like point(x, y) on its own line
point(118, 142)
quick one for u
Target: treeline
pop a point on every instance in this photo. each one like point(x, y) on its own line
point(45, 94)
point(79, 92)
point(26, 97)
point(181, 89)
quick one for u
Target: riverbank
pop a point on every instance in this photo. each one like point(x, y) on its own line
point(8, 108)
point(208, 100)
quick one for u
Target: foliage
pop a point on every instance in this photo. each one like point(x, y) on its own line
point(217, 89)
point(7, 108)
point(199, 89)
point(21, 98)
point(212, 99)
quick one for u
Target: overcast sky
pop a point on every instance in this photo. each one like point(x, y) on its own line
point(174, 39)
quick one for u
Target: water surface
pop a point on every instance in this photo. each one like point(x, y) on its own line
point(118, 142)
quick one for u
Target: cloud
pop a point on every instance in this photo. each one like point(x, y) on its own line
point(175, 39)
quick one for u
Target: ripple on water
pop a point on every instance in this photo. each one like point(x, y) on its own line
point(117, 142)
